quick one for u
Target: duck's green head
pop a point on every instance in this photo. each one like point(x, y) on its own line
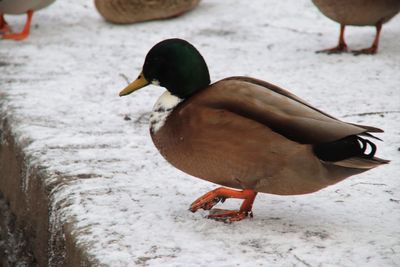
point(174, 64)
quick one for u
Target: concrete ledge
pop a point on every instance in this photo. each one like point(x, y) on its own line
point(13, 246)
point(30, 234)
point(28, 203)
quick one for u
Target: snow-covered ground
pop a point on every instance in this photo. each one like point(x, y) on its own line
point(128, 206)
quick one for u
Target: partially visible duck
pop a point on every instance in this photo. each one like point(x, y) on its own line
point(358, 13)
point(245, 133)
point(16, 7)
point(130, 11)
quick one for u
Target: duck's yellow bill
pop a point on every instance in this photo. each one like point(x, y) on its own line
point(135, 85)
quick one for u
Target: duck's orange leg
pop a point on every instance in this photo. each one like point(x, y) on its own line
point(210, 199)
point(25, 32)
point(4, 28)
point(374, 48)
point(341, 47)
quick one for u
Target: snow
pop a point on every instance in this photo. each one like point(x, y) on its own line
point(128, 206)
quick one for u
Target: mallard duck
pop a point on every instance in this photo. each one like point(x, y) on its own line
point(130, 11)
point(16, 7)
point(245, 134)
point(358, 13)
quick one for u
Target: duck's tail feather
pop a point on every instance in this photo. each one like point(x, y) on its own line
point(371, 136)
point(369, 128)
point(351, 151)
point(361, 162)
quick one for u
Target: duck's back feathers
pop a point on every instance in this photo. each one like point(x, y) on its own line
point(131, 11)
point(278, 110)
point(286, 93)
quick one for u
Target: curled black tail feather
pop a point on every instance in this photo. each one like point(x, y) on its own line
point(364, 147)
point(350, 146)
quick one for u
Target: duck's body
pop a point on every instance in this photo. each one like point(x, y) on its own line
point(239, 133)
point(359, 13)
point(245, 133)
point(17, 7)
point(131, 11)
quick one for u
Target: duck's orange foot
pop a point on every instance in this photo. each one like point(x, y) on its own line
point(374, 47)
point(229, 216)
point(15, 36)
point(4, 28)
point(20, 35)
point(210, 199)
point(207, 201)
point(341, 48)
point(366, 51)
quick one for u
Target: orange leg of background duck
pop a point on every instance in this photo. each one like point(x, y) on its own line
point(374, 48)
point(210, 199)
point(341, 47)
point(20, 35)
point(4, 28)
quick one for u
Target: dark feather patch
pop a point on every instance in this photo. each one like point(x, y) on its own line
point(350, 146)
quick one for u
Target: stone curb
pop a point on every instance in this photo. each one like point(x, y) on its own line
point(27, 208)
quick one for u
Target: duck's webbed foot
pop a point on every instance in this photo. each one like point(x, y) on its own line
point(374, 47)
point(209, 200)
point(20, 35)
point(366, 51)
point(340, 48)
point(4, 28)
point(229, 216)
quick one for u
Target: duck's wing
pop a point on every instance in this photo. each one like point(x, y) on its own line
point(279, 110)
point(286, 93)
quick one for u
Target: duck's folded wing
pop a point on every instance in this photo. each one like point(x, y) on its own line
point(281, 111)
